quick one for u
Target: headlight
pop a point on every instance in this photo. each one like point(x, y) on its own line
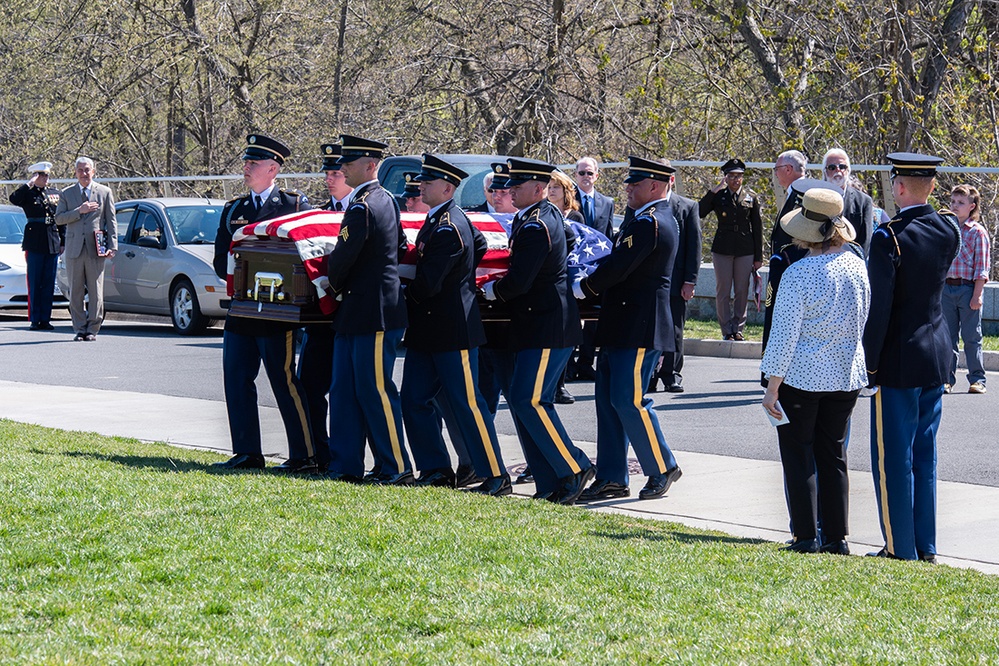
point(4, 267)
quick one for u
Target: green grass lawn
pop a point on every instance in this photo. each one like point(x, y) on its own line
point(115, 551)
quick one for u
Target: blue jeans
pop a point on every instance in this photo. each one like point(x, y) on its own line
point(960, 318)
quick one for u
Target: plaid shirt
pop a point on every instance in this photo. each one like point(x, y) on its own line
point(973, 261)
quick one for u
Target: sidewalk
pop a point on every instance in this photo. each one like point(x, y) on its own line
point(737, 496)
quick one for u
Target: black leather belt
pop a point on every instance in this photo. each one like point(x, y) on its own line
point(958, 282)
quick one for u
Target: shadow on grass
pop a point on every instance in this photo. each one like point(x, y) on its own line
point(649, 534)
point(159, 463)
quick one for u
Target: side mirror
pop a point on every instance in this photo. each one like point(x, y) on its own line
point(149, 241)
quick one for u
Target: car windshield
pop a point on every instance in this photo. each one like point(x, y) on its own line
point(12, 227)
point(195, 224)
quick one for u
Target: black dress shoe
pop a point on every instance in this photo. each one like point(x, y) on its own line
point(297, 466)
point(35, 326)
point(79, 337)
point(437, 478)
point(550, 496)
point(345, 478)
point(729, 336)
point(602, 489)
point(674, 388)
point(738, 337)
point(400, 479)
point(929, 558)
point(372, 476)
point(498, 486)
point(525, 476)
point(884, 553)
point(658, 485)
point(563, 397)
point(835, 547)
point(466, 476)
point(45, 326)
point(573, 486)
point(802, 546)
point(242, 461)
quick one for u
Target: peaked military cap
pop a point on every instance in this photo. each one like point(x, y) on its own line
point(734, 165)
point(40, 167)
point(434, 168)
point(354, 147)
point(262, 147)
point(523, 171)
point(412, 186)
point(640, 169)
point(914, 164)
point(501, 176)
point(802, 185)
point(331, 153)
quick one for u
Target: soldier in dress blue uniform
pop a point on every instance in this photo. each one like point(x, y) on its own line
point(544, 328)
point(442, 341)
point(908, 352)
point(248, 342)
point(369, 324)
point(42, 242)
point(634, 329)
point(315, 360)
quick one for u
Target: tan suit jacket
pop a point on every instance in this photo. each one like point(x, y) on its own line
point(81, 227)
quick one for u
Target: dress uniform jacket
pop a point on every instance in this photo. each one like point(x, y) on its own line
point(906, 340)
point(364, 265)
point(443, 312)
point(41, 234)
point(740, 228)
point(236, 213)
point(543, 313)
point(634, 282)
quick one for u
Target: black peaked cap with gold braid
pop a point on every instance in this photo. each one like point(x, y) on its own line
point(640, 169)
point(263, 147)
point(434, 168)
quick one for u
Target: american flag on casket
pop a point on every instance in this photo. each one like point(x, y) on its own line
point(314, 234)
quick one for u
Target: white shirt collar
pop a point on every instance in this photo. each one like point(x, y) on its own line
point(346, 199)
point(263, 195)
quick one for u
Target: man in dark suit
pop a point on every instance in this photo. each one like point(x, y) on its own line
point(789, 167)
point(544, 325)
point(857, 206)
point(908, 350)
point(86, 209)
point(685, 269)
point(597, 209)
point(369, 324)
point(249, 342)
point(445, 331)
point(635, 327)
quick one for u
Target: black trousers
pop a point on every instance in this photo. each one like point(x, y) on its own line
point(813, 445)
point(671, 363)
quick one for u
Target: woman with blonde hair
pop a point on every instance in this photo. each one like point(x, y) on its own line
point(562, 193)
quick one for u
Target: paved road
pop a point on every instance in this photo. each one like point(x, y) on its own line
point(719, 413)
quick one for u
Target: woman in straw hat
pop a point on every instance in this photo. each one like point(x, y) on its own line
point(815, 364)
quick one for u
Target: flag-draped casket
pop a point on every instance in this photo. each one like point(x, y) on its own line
point(278, 268)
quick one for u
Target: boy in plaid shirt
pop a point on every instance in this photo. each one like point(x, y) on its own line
point(962, 295)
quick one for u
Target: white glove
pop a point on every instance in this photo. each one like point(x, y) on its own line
point(577, 290)
point(868, 392)
point(489, 291)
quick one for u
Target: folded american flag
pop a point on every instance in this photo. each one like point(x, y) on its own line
point(315, 232)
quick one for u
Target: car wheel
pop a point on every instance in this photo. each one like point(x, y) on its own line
point(185, 311)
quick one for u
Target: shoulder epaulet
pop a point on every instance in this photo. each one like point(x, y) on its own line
point(945, 211)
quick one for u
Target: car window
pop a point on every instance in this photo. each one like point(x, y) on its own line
point(145, 224)
point(194, 224)
point(470, 193)
point(12, 226)
point(393, 179)
point(124, 217)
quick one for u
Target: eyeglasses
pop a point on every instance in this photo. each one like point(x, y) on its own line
point(491, 191)
point(837, 167)
point(781, 166)
point(586, 173)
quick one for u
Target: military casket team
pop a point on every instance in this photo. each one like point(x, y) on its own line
point(342, 397)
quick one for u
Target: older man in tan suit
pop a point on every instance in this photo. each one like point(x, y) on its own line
point(85, 209)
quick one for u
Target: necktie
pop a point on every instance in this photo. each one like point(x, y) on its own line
point(588, 206)
point(86, 194)
point(256, 201)
point(338, 206)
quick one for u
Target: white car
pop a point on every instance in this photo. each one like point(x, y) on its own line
point(13, 268)
point(163, 265)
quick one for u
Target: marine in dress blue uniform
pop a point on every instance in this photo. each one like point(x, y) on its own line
point(634, 329)
point(248, 342)
point(544, 328)
point(42, 242)
point(908, 356)
point(369, 324)
point(445, 331)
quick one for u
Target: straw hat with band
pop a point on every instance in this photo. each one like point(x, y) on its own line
point(820, 213)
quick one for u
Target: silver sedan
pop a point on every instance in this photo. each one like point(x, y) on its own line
point(164, 262)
